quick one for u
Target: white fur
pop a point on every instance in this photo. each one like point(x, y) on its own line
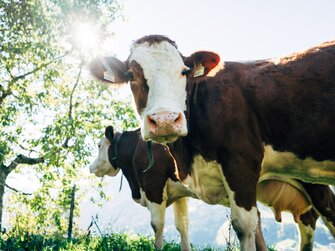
point(306, 237)
point(143, 200)
point(243, 221)
point(289, 165)
point(174, 192)
point(101, 166)
point(162, 67)
point(206, 181)
point(209, 184)
point(157, 212)
point(329, 225)
point(181, 221)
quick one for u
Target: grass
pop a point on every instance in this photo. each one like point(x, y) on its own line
point(112, 242)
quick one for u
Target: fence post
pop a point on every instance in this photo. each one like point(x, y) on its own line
point(69, 232)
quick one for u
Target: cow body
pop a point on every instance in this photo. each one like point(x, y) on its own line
point(276, 191)
point(236, 116)
point(155, 189)
point(158, 188)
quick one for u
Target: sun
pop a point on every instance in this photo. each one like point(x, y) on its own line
point(85, 36)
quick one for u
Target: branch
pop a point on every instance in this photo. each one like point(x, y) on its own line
point(5, 93)
point(73, 90)
point(16, 78)
point(17, 191)
point(8, 92)
point(21, 159)
point(14, 189)
point(65, 144)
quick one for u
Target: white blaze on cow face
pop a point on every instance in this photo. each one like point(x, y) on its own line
point(163, 118)
point(102, 166)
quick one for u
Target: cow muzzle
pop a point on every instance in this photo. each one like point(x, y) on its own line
point(101, 168)
point(165, 127)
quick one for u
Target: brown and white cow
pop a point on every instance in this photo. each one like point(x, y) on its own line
point(276, 191)
point(157, 188)
point(237, 116)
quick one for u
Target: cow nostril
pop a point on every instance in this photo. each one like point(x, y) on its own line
point(151, 122)
point(179, 119)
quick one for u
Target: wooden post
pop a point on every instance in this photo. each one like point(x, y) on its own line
point(2, 193)
point(69, 233)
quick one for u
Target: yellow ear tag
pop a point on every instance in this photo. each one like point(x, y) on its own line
point(109, 76)
point(199, 70)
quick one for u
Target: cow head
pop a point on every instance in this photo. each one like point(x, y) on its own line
point(102, 165)
point(158, 74)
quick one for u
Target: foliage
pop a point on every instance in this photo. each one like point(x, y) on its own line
point(51, 111)
point(272, 248)
point(115, 242)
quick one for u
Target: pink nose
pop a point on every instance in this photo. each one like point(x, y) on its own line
point(165, 120)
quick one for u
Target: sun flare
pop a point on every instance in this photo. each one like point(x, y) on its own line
point(85, 36)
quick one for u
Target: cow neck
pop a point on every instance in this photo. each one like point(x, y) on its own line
point(192, 139)
point(115, 158)
point(150, 156)
point(192, 92)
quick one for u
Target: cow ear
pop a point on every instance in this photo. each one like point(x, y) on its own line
point(201, 63)
point(109, 69)
point(109, 133)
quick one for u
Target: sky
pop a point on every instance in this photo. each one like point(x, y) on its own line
point(237, 30)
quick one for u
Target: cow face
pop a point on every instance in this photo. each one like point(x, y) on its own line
point(157, 73)
point(102, 166)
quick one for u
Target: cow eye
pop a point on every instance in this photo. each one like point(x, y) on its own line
point(185, 71)
point(129, 75)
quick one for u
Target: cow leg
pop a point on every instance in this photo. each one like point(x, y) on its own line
point(260, 242)
point(329, 225)
point(245, 224)
point(181, 222)
point(157, 222)
point(323, 200)
point(306, 226)
point(244, 220)
point(240, 180)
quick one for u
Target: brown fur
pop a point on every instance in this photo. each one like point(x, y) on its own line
point(324, 200)
point(139, 86)
point(133, 159)
point(289, 105)
point(155, 39)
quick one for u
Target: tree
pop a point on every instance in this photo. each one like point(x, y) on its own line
point(50, 110)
